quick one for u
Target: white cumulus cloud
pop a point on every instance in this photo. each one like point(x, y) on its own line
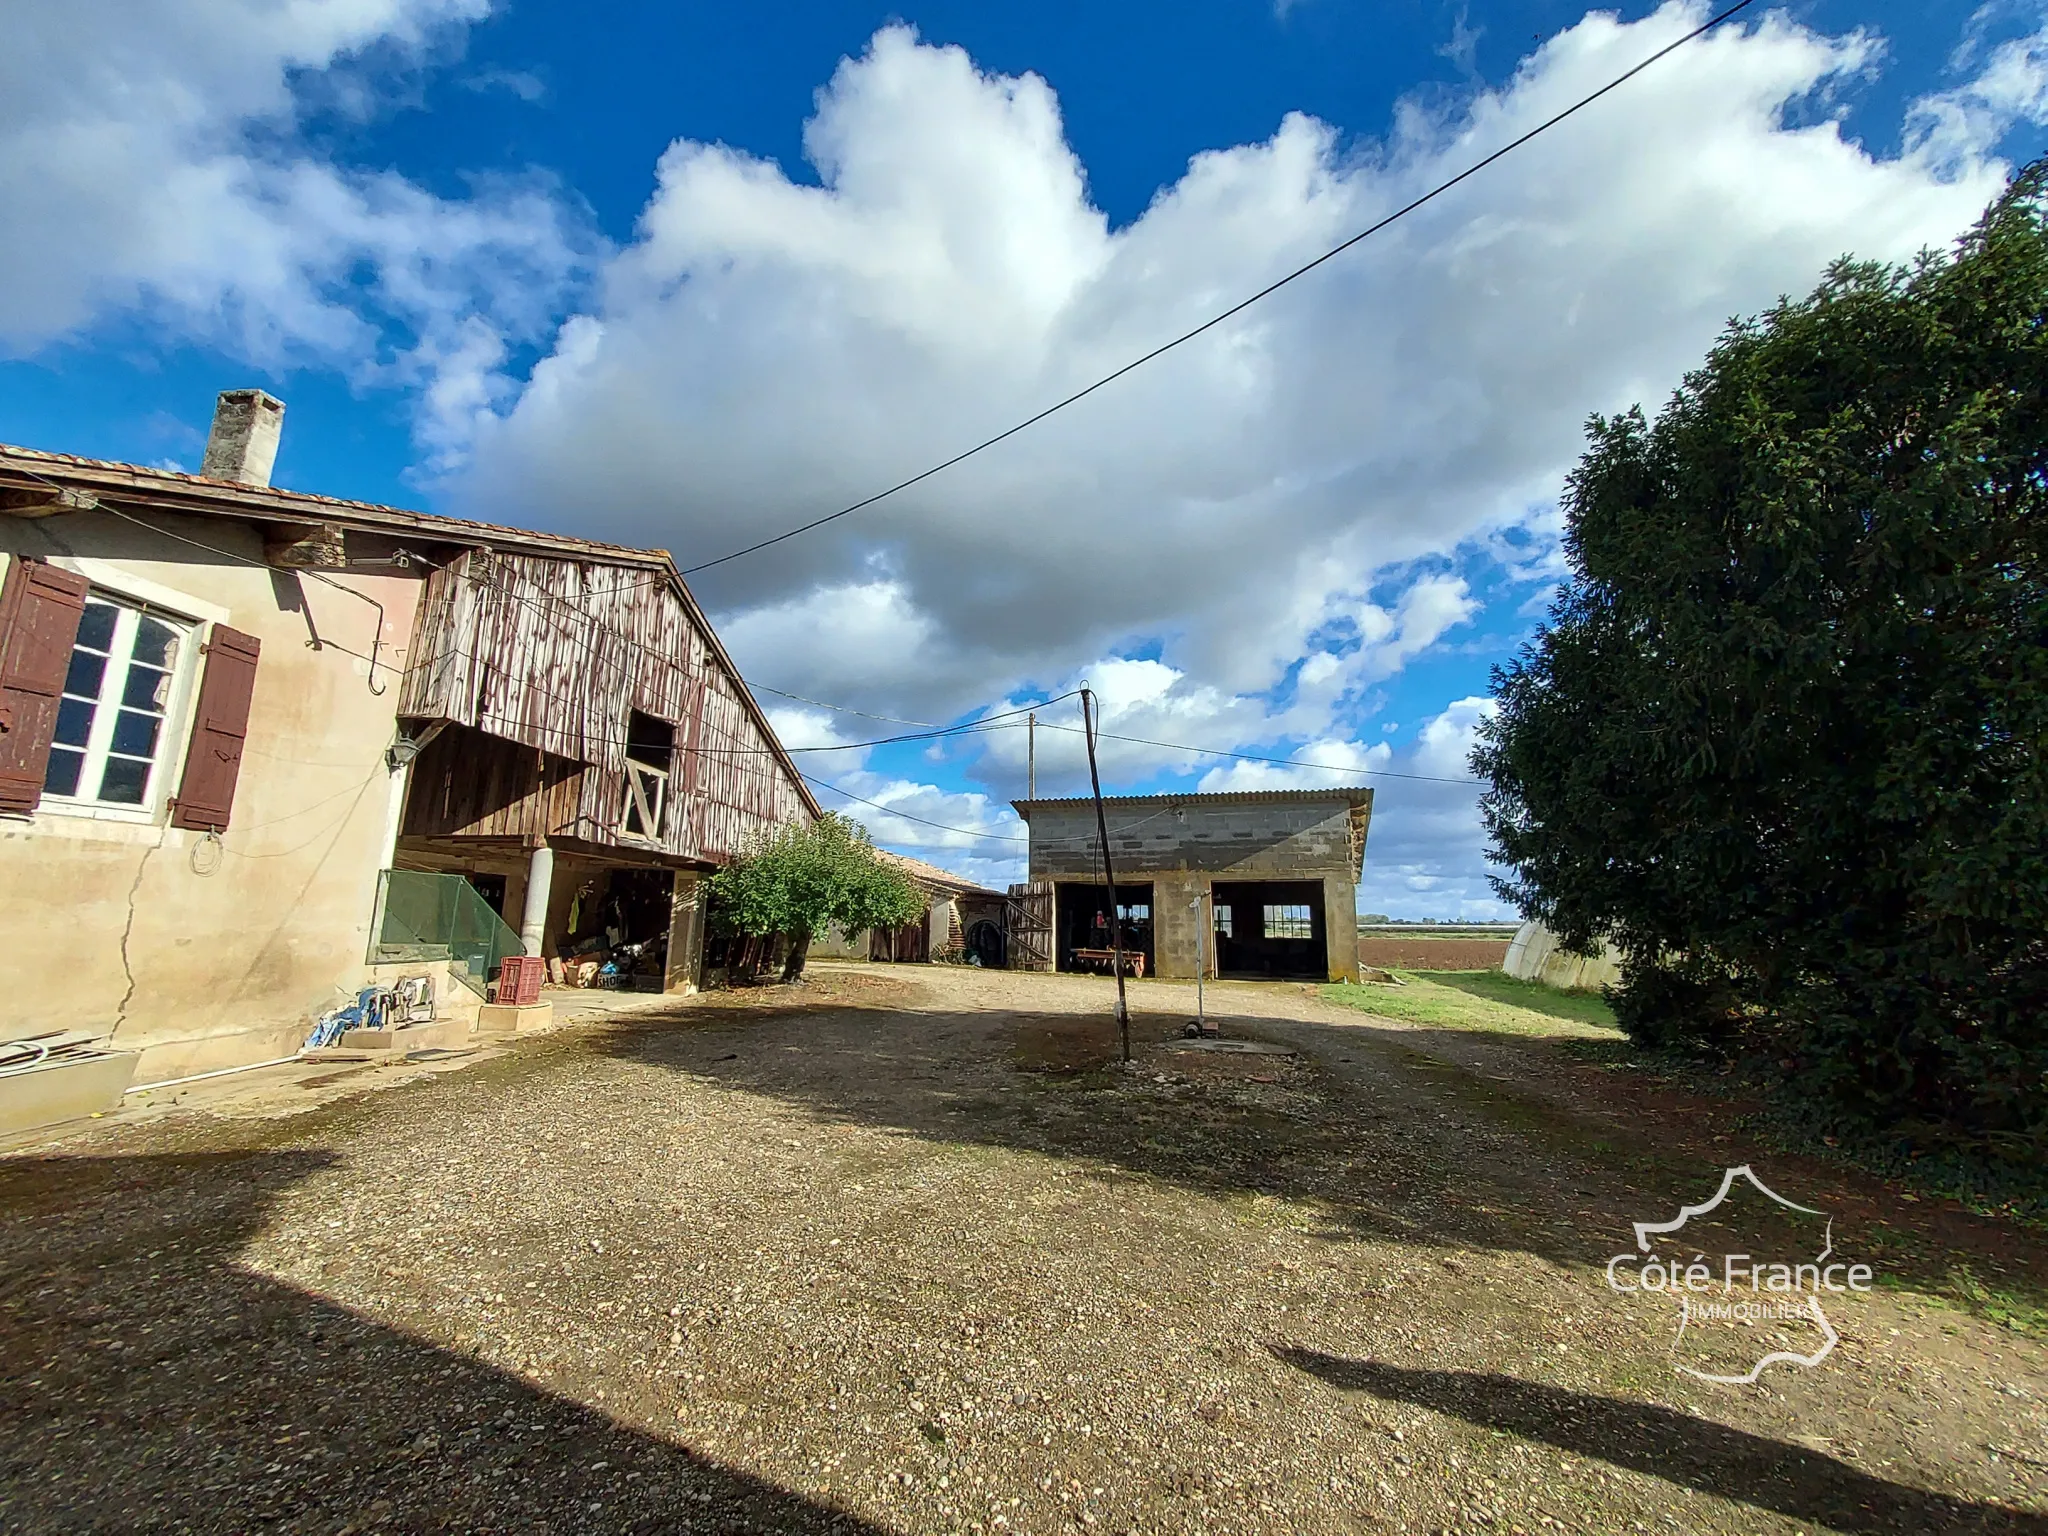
point(766, 350)
point(151, 163)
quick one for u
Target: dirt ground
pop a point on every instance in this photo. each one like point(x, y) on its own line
point(1398, 952)
point(908, 1250)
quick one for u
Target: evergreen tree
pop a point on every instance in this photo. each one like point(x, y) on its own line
point(1783, 738)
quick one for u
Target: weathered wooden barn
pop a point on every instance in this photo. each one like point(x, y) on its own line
point(580, 745)
point(1257, 884)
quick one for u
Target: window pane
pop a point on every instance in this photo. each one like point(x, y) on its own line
point(96, 627)
point(156, 644)
point(1289, 922)
point(135, 733)
point(74, 722)
point(61, 777)
point(87, 671)
point(125, 780)
point(146, 688)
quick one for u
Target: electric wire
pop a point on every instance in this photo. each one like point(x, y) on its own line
point(838, 708)
point(1243, 304)
point(973, 727)
point(377, 641)
point(935, 732)
point(1254, 757)
point(999, 837)
point(965, 728)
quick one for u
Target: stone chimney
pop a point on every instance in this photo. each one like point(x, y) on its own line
point(243, 443)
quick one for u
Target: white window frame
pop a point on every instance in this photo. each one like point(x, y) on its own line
point(132, 594)
point(647, 792)
point(1281, 912)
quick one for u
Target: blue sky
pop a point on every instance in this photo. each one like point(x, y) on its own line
point(679, 275)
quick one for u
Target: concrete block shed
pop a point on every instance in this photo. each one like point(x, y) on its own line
point(1257, 884)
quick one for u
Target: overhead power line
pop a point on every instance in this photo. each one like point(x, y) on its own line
point(840, 709)
point(973, 832)
point(1243, 304)
point(1253, 757)
point(994, 837)
point(971, 727)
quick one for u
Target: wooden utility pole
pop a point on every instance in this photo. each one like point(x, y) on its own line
point(1116, 927)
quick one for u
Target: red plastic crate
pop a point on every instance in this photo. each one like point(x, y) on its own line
point(520, 981)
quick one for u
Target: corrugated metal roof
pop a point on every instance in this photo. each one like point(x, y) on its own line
point(1350, 797)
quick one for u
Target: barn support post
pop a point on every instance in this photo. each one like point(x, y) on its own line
point(685, 934)
point(533, 921)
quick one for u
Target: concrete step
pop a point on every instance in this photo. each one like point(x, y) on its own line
point(441, 1034)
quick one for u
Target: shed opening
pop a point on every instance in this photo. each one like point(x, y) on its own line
point(1271, 928)
point(1084, 924)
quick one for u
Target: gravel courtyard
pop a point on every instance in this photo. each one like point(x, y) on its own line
point(905, 1250)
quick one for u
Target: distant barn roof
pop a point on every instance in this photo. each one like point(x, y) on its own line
point(931, 874)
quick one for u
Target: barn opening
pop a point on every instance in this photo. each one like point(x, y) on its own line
point(1271, 928)
point(1084, 924)
point(490, 887)
point(616, 929)
point(985, 940)
point(650, 752)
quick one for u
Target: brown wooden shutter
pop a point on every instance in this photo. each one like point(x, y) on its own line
point(214, 759)
point(40, 607)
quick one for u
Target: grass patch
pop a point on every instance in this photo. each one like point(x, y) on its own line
point(1485, 1000)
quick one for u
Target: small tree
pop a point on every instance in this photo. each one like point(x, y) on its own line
point(1785, 738)
point(802, 878)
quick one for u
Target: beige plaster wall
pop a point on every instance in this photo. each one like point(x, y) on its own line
point(199, 955)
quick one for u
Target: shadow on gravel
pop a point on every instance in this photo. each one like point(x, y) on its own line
point(1694, 1453)
point(149, 1383)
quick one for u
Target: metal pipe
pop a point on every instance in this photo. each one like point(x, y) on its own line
point(200, 1077)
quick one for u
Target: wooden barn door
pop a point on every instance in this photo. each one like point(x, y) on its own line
point(1031, 926)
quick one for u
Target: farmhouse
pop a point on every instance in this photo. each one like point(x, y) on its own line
point(261, 750)
point(1254, 884)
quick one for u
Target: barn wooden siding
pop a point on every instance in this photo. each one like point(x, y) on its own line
point(467, 784)
point(553, 653)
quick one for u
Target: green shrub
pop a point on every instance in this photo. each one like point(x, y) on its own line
point(802, 878)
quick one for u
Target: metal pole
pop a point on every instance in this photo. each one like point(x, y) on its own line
point(1116, 930)
point(1201, 967)
point(1031, 756)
